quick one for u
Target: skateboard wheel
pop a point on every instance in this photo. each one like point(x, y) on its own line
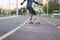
point(37, 23)
point(31, 23)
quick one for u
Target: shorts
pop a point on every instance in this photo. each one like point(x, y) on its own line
point(31, 10)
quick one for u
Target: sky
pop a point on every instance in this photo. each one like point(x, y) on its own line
point(5, 4)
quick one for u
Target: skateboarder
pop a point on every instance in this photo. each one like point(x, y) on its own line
point(29, 7)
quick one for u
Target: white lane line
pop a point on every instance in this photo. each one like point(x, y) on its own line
point(53, 24)
point(58, 27)
point(9, 33)
point(48, 21)
point(7, 17)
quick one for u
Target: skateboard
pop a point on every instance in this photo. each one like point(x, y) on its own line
point(35, 22)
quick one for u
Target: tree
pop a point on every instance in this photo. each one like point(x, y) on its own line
point(13, 12)
point(0, 11)
point(22, 11)
point(53, 5)
point(19, 11)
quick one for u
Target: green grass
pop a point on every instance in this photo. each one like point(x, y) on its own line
point(55, 16)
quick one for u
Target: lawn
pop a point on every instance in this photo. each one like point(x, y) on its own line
point(51, 16)
point(57, 16)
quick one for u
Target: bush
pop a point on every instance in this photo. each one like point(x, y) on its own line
point(52, 5)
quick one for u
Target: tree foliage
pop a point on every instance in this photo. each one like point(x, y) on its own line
point(52, 5)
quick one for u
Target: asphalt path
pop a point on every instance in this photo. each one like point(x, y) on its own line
point(47, 30)
point(54, 20)
point(8, 24)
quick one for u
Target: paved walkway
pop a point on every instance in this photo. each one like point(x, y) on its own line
point(44, 31)
point(9, 23)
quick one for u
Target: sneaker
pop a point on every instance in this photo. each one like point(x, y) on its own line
point(37, 21)
point(31, 22)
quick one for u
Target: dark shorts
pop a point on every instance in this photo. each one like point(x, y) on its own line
point(31, 10)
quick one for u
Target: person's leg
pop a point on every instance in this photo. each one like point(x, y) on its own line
point(31, 16)
point(31, 12)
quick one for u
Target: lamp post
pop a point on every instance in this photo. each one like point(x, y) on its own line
point(17, 7)
point(47, 8)
point(59, 7)
point(9, 7)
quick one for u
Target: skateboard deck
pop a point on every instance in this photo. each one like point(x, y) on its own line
point(31, 22)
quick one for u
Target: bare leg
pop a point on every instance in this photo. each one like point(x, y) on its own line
point(31, 16)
